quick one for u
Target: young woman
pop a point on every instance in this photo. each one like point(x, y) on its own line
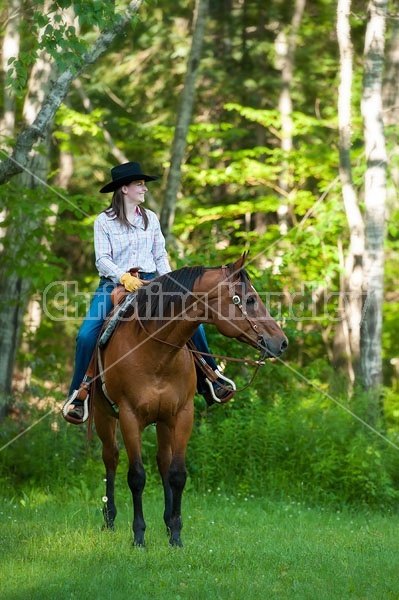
point(127, 236)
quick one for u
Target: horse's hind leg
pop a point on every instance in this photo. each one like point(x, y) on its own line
point(106, 430)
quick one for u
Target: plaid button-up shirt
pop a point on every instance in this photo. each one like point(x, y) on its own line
point(119, 248)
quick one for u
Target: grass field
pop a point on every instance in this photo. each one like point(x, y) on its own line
point(234, 548)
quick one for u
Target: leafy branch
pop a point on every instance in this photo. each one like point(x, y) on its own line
point(15, 163)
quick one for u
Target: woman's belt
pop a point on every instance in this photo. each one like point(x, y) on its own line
point(140, 274)
point(145, 276)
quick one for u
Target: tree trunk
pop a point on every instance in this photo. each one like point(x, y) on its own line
point(391, 77)
point(184, 117)
point(375, 199)
point(285, 47)
point(347, 336)
point(10, 49)
point(285, 53)
point(11, 44)
point(390, 98)
point(9, 291)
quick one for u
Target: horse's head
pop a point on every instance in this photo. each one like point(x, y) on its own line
point(236, 309)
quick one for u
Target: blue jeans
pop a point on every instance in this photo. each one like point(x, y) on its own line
point(100, 306)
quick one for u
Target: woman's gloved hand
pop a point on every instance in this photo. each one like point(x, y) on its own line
point(130, 283)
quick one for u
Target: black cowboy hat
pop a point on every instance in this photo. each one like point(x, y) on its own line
point(124, 174)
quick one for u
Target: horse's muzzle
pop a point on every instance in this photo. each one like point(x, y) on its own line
point(272, 348)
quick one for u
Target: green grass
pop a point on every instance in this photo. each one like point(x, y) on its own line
point(52, 547)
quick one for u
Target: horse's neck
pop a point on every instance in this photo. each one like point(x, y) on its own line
point(174, 334)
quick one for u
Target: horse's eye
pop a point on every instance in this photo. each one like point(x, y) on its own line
point(251, 300)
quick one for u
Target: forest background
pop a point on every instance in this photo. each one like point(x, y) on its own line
point(263, 121)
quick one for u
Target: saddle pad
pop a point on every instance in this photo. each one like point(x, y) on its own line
point(116, 316)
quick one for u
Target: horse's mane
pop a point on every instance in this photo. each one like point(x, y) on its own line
point(168, 295)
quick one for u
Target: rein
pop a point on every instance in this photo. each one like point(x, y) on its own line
point(257, 363)
point(251, 361)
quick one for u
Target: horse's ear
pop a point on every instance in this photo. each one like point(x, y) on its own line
point(239, 264)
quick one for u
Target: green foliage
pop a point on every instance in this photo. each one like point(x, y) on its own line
point(29, 216)
point(74, 122)
point(391, 409)
point(51, 32)
point(45, 458)
point(293, 444)
point(278, 439)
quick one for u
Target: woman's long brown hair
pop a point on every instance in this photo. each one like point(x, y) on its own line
point(117, 207)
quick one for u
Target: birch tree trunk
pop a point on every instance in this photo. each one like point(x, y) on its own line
point(11, 44)
point(10, 49)
point(8, 346)
point(347, 336)
point(285, 56)
point(390, 98)
point(375, 199)
point(184, 114)
point(285, 48)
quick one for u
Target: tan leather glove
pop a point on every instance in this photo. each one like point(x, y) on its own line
point(130, 282)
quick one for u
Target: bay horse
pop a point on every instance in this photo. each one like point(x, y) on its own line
point(150, 377)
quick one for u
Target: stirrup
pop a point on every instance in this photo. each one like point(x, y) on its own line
point(212, 389)
point(68, 403)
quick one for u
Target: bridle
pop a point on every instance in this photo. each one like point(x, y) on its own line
point(237, 301)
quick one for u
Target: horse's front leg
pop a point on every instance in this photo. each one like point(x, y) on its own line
point(131, 432)
point(164, 459)
point(172, 445)
point(177, 480)
point(136, 480)
point(106, 430)
point(109, 508)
